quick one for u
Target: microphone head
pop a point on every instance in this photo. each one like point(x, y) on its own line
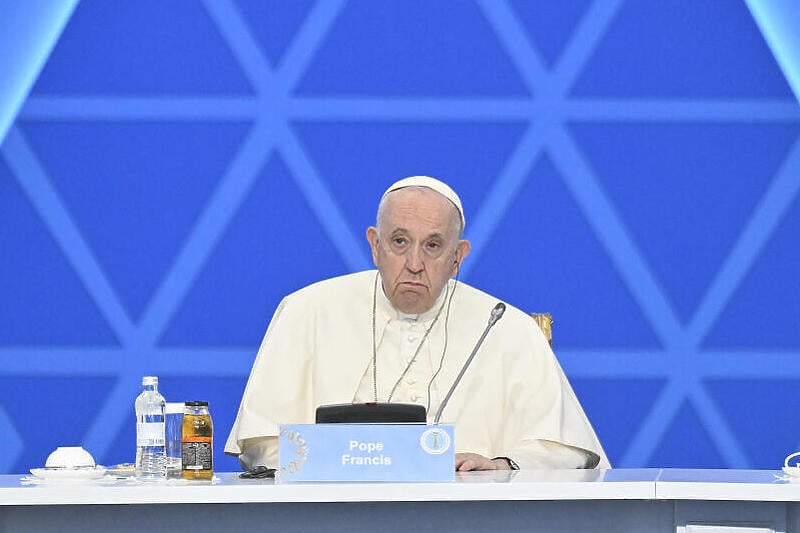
point(497, 312)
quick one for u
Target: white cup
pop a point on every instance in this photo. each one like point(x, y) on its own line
point(70, 457)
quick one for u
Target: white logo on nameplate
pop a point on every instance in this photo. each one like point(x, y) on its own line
point(435, 441)
point(300, 451)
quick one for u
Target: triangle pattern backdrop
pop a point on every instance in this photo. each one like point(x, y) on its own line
point(687, 224)
point(669, 49)
point(173, 48)
point(135, 189)
point(549, 25)
point(274, 23)
point(464, 155)
point(232, 289)
point(52, 307)
point(561, 269)
point(771, 284)
point(352, 62)
point(631, 166)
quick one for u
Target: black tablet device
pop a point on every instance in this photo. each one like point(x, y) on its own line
point(370, 413)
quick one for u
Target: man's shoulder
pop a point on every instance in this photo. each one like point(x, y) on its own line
point(517, 326)
point(475, 298)
point(348, 285)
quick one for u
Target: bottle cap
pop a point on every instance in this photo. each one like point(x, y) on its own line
point(196, 404)
point(150, 380)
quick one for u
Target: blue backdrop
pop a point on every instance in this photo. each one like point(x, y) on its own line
point(631, 167)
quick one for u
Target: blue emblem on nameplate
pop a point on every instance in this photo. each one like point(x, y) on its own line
point(366, 452)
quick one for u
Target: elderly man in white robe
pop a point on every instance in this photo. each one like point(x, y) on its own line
point(402, 333)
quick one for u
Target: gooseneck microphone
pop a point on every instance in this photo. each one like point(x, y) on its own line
point(497, 312)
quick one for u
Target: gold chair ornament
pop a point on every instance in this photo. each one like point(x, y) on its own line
point(545, 322)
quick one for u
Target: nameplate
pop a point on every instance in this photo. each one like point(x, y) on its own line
point(366, 452)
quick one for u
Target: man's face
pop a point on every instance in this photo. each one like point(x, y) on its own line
point(416, 247)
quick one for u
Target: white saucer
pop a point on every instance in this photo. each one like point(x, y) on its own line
point(69, 473)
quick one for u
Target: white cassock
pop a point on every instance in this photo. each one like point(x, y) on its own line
point(513, 401)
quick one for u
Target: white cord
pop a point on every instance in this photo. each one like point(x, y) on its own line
point(793, 471)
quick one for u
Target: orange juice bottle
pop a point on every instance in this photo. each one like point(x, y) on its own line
point(197, 442)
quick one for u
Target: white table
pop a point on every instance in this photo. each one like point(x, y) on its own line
point(561, 500)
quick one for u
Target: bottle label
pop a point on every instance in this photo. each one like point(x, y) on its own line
point(150, 434)
point(196, 455)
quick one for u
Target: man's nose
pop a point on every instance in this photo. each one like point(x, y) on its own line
point(414, 261)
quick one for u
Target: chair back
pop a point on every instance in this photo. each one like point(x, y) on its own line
point(545, 322)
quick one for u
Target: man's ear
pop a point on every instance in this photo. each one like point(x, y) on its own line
point(462, 251)
point(372, 238)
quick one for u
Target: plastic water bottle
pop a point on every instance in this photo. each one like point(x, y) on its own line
point(151, 462)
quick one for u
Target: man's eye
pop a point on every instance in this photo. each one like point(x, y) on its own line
point(399, 241)
point(433, 245)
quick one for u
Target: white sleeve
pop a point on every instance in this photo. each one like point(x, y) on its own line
point(259, 451)
point(542, 453)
